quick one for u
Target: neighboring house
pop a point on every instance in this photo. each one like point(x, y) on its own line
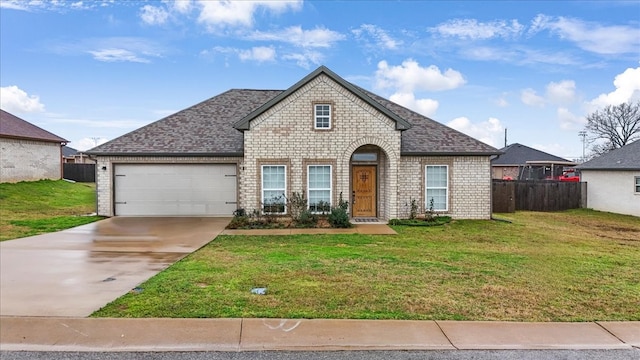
point(613, 180)
point(73, 156)
point(520, 162)
point(323, 137)
point(28, 152)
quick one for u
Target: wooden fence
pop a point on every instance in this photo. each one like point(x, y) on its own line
point(538, 195)
point(79, 172)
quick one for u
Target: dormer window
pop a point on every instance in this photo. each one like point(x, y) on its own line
point(322, 116)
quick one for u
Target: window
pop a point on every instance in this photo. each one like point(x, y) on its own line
point(319, 187)
point(322, 116)
point(364, 157)
point(274, 189)
point(437, 187)
point(637, 184)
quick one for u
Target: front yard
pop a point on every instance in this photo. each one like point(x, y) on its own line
point(577, 265)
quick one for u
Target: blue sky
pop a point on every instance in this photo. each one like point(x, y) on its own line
point(90, 71)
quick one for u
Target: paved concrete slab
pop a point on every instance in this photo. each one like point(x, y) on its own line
point(77, 271)
point(627, 331)
point(87, 334)
point(303, 334)
point(506, 335)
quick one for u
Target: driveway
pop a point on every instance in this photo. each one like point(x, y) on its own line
point(77, 271)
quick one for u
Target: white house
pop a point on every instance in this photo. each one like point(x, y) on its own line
point(613, 180)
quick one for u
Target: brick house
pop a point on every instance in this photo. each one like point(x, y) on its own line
point(28, 153)
point(323, 137)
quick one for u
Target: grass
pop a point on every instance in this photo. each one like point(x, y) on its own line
point(570, 266)
point(32, 208)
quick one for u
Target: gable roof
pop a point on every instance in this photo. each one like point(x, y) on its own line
point(518, 154)
point(14, 127)
point(243, 124)
point(215, 126)
point(624, 158)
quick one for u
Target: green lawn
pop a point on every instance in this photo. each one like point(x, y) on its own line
point(31, 208)
point(571, 266)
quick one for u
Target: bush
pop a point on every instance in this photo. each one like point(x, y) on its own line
point(338, 218)
point(307, 219)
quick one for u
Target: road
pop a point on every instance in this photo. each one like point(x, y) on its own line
point(631, 354)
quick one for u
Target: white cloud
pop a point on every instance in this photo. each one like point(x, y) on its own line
point(183, 6)
point(316, 38)
point(627, 86)
point(305, 59)
point(410, 76)
point(569, 121)
point(117, 55)
point(259, 53)
point(221, 13)
point(590, 36)
point(426, 107)
point(380, 37)
point(85, 144)
point(563, 92)
point(529, 97)
point(15, 100)
point(489, 132)
point(153, 15)
point(474, 30)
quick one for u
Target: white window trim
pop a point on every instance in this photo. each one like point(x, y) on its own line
point(635, 185)
point(446, 188)
point(315, 116)
point(330, 186)
point(262, 190)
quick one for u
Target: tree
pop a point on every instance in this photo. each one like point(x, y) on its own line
point(618, 125)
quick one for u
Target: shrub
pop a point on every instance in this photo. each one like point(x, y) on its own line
point(338, 218)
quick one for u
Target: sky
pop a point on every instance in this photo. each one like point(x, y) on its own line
point(90, 71)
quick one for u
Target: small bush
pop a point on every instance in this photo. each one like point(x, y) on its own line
point(307, 219)
point(338, 218)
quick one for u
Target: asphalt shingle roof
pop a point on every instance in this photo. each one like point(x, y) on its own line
point(207, 128)
point(624, 158)
point(518, 154)
point(14, 127)
point(203, 129)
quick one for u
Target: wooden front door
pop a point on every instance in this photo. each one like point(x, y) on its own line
point(364, 191)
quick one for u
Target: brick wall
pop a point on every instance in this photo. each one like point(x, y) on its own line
point(469, 185)
point(28, 160)
point(285, 133)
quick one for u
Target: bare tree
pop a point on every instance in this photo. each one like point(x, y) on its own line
point(617, 125)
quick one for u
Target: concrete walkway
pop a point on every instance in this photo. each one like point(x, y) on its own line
point(366, 229)
point(87, 334)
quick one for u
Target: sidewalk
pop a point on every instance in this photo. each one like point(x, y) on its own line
point(89, 334)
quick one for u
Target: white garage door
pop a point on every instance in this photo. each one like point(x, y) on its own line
point(175, 189)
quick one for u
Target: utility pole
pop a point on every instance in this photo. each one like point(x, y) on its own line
point(505, 137)
point(583, 134)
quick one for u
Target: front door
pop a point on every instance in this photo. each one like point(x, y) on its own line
point(364, 191)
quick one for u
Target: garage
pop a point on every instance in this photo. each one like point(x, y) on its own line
point(175, 189)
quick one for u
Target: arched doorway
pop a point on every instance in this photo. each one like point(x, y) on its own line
point(369, 172)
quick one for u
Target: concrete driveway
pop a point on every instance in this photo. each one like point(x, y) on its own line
point(75, 272)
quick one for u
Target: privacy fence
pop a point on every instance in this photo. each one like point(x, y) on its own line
point(537, 195)
point(79, 172)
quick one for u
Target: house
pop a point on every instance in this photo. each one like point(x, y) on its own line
point(28, 152)
point(613, 180)
point(323, 137)
point(520, 162)
point(73, 156)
